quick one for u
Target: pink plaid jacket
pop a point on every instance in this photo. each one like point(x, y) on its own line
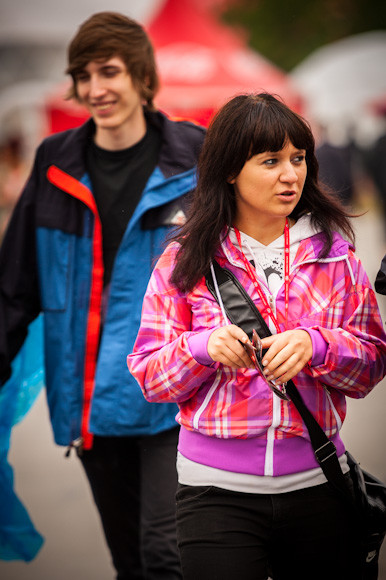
point(333, 296)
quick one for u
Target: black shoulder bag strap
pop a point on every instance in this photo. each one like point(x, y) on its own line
point(242, 312)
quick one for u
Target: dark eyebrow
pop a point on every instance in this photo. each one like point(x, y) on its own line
point(110, 66)
point(80, 71)
point(103, 67)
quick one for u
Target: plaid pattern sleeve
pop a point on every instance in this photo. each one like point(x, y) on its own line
point(356, 354)
point(161, 360)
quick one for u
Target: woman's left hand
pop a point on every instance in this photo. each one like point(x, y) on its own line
point(288, 353)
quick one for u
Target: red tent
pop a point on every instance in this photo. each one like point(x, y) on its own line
point(63, 114)
point(201, 63)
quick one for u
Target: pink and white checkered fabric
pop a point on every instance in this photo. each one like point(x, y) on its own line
point(333, 296)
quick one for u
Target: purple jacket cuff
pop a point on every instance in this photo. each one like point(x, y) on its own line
point(319, 346)
point(198, 344)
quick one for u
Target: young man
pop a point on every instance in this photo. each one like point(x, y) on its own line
point(80, 248)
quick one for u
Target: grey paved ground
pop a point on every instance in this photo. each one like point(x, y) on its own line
point(56, 493)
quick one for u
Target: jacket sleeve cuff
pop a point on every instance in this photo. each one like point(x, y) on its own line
point(319, 346)
point(198, 344)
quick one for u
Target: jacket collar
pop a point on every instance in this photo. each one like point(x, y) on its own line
point(181, 143)
point(309, 250)
point(177, 154)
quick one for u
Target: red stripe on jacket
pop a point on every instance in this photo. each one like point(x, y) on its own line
point(75, 188)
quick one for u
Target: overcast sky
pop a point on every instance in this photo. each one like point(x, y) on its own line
point(48, 20)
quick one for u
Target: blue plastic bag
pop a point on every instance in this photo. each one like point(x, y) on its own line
point(19, 540)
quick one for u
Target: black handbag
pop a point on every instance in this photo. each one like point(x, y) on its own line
point(370, 500)
point(370, 492)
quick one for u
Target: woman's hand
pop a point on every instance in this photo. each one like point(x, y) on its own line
point(288, 353)
point(224, 346)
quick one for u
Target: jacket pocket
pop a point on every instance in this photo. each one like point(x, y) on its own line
point(338, 420)
point(55, 250)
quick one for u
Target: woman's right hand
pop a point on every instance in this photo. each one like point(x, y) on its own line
point(225, 345)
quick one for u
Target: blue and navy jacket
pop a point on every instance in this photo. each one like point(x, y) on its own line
point(51, 261)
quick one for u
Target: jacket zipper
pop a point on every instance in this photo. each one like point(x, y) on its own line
point(78, 190)
point(77, 445)
point(276, 413)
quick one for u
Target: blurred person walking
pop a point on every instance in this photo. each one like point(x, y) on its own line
point(335, 169)
point(13, 174)
point(80, 248)
point(380, 280)
point(253, 500)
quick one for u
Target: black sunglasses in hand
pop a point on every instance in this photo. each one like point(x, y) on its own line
point(255, 352)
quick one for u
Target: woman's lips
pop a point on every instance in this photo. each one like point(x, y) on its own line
point(287, 195)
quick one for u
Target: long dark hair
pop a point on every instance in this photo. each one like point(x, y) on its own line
point(246, 126)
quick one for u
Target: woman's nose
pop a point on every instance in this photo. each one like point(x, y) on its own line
point(289, 173)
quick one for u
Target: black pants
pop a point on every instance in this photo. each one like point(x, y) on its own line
point(301, 535)
point(134, 481)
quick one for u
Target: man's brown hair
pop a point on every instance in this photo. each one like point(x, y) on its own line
point(108, 34)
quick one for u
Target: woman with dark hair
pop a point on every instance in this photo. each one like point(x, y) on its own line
point(252, 499)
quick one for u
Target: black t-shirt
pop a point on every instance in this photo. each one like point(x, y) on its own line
point(118, 179)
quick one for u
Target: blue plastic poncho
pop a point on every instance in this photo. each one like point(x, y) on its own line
point(19, 539)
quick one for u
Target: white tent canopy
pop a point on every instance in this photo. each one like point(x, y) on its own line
point(340, 82)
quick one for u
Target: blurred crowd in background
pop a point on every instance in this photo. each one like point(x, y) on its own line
point(340, 88)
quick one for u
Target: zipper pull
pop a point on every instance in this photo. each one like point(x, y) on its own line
point(77, 444)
